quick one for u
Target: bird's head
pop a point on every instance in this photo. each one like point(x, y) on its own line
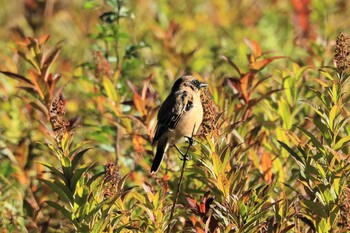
point(188, 81)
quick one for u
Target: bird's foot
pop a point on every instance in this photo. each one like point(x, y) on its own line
point(191, 141)
point(187, 157)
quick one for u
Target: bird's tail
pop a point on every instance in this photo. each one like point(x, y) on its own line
point(161, 149)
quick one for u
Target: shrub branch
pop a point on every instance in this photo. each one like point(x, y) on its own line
point(185, 158)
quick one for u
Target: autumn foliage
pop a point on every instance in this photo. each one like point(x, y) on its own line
point(80, 86)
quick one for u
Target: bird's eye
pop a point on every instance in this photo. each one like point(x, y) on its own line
point(195, 82)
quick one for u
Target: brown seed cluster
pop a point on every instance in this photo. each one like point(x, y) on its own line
point(102, 66)
point(344, 222)
point(58, 123)
point(342, 52)
point(111, 179)
point(209, 123)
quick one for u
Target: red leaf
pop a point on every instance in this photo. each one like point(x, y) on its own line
point(259, 65)
point(202, 208)
point(192, 202)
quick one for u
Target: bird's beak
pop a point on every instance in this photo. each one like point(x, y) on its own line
point(202, 85)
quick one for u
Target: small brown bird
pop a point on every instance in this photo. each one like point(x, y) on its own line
point(179, 116)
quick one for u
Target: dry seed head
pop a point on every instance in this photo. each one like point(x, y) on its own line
point(344, 222)
point(112, 178)
point(102, 66)
point(209, 123)
point(58, 123)
point(342, 52)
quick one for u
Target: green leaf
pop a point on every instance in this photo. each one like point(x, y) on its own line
point(17, 77)
point(284, 111)
point(315, 207)
point(324, 130)
point(62, 209)
point(313, 139)
point(79, 146)
point(314, 107)
point(65, 188)
point(292, 153)
point(77, 175)
point(54, 170)
point(57, 189)
point(122, 181)
point(312, 173)
point(77, 157)
point(66, 167)
point(324, 98)
point(341, 143)
point(100, 225)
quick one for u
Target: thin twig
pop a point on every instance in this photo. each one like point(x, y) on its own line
point(180, 180)
point(117, 145)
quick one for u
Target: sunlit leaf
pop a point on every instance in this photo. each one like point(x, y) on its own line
point(341, 143)
point(259, 65)
point(57, 189)
point(292, 153)
point(43, 39)
point(110, 89)
point(62, 209)
point(77, 157)
point(17, 77)
point(333, 114)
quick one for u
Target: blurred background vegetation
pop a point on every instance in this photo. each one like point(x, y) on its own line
point(80, 85)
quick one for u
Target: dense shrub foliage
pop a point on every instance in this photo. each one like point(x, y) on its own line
point(81, 83)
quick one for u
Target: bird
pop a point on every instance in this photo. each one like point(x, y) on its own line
point(179, 117)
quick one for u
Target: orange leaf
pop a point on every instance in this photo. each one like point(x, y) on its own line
point(25, 42)
point(35, 79)
point(138, 143)
point(192, 202)
point(323, 83)
point(43, 38)
point(254, 47)
point(140, 104)
point(266, 166)
point(259, 65)
point(202, 207)
point(245, 86)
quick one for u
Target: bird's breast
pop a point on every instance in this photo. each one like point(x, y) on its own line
point(188, 123)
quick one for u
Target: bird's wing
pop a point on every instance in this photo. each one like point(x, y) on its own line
point(171, 111)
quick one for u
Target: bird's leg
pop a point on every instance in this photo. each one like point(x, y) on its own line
point(184, 156)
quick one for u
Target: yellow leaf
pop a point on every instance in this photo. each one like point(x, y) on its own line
point(342, 142)
point(333, 113)
point(217, 164)
point(323, 83)
point(110, 89)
